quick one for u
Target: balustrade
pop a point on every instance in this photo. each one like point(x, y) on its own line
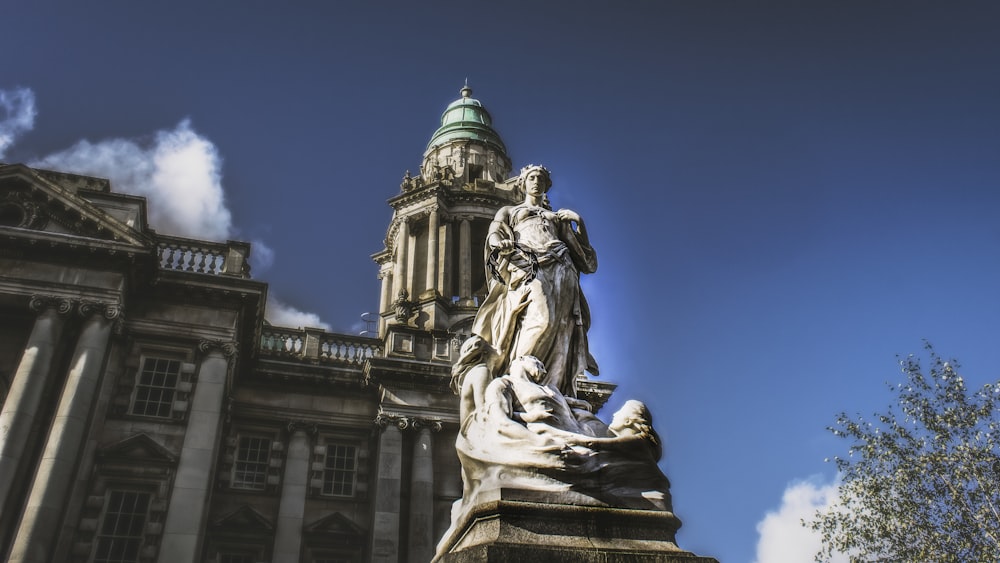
point(311, 344)
point(341, 348)
point(189, 255)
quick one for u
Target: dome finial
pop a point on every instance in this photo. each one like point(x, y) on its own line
point(466, 91)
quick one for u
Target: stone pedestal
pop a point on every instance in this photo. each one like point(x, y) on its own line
point(533, 526)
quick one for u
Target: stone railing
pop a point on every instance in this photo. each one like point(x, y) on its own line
point(202, 257)
point(316, 345)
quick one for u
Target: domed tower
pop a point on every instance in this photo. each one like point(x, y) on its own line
point(432, 268)
point(467, 143)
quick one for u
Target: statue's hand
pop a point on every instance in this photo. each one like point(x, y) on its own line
point(579, 404)
point(581, 441)
point(505, 246)
point(569, 215)
point(574, 457)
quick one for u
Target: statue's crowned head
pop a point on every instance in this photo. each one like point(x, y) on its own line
point(535, 168)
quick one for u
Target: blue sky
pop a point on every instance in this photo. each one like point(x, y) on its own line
point(783, 195)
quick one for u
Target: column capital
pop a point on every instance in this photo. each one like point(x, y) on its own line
point(384, 419)
point(110, 311)
point(308, 427)
point(431, 424)
point(227, 348)
point(62, 305)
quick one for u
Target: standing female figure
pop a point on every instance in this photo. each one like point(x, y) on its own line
point(534, 306)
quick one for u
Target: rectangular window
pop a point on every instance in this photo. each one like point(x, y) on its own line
point(237, 558)
point(123, 526)
point(250, 468)
point(340, 470)
point(155, 387)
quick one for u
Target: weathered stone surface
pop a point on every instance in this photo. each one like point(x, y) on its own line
point(526, 526)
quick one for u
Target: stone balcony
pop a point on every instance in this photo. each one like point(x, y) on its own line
point(203, 257)
point(316, 346)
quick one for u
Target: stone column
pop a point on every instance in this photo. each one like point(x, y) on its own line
point(385, 297)
point(421, 541)
point(32, 378)
point(445, 284)
point(385, 525)
point(43, 512)
point(188, 508)
point(431, 274)
point(465, 262)
point(402, 258)
point(294, 486)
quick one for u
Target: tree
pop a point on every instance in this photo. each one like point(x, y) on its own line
point(921, 483)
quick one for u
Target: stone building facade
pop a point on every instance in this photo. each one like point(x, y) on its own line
point(151, 414)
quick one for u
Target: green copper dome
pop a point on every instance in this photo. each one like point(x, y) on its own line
point(466, 118)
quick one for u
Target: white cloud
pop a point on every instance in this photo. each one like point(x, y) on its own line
point(179, 172)
point(261, 257)
point(17, 115)
point(783, 538)
point(279, 313)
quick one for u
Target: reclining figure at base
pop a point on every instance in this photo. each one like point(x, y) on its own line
point(517, 432)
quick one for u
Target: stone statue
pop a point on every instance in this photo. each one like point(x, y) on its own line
point(525, 433)
point(534, 306)
point(534, 456)
point(405, 309)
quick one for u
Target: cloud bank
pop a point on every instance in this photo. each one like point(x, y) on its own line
point(177, 170)
point(783, 538)
point(17, 115)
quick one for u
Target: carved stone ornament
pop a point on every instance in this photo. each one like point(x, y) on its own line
point(384, 419)
point(227, 348)
point(430, 423)
point(40, 303)
point(405, 308)
point(110, 311)
point(308, 427)
point(17, 209)
point(407, 183)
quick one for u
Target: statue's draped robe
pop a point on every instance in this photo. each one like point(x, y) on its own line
point(497, 450)
point(536, 307)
